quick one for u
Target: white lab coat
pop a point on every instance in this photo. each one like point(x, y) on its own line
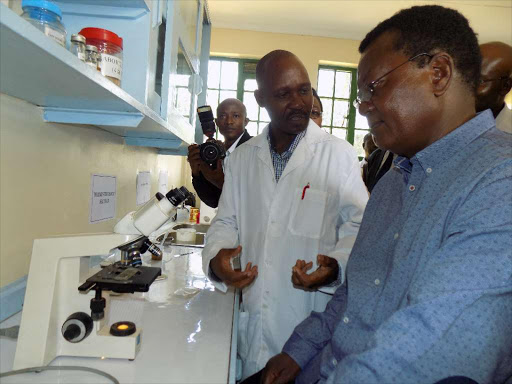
point(276, 227)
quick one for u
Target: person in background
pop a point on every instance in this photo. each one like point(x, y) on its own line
point(379, 162)
point(318, 109)
point(292, 198)
point(369, 147)
point(428, 292)
point(495, 83)
point(208, 181)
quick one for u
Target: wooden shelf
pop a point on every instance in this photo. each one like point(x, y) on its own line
point(36, 69)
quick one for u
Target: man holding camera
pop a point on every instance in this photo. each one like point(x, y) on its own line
point(209, 179)
point(292, 202)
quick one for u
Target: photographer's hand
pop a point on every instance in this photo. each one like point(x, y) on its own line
point(221, 267)
point(194, 159)
point(214, 176)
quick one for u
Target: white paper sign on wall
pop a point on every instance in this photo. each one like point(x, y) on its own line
point(143, 187)
point(162, 182)
point(103, 198)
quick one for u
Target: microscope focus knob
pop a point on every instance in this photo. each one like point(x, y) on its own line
point(77, 327)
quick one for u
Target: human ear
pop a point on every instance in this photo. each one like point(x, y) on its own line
point(246, 122)
point(506, 86)
point(258, 95)
point(441, 73)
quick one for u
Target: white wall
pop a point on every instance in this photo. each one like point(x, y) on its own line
point(45, 179)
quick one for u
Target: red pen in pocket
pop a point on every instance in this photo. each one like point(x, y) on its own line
point(304, 191)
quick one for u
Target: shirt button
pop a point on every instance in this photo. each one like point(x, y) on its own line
point(412, 188)
point(429, 170)
point(346, 320)
point(396, 236)
point(334, 362)
point(377, 281)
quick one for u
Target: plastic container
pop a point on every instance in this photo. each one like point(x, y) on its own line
point(186, 235)
point(45, 16)
point(110, 49)
point(77, 46)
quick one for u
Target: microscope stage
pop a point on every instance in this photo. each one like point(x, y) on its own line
point(122, 279)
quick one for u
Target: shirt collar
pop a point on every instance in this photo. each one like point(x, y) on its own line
point(292, 146)
point(446, 147)
point(233, 146)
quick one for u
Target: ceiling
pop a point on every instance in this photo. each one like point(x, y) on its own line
point(350, 19)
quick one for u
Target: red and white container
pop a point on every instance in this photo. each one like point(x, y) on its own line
point(110, 52)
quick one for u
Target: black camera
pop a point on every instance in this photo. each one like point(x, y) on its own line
point(210, 151)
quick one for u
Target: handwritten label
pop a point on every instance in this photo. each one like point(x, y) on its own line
point(111, 66)
point(103, 198)
point(143, 187)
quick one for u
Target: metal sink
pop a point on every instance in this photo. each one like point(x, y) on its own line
point(201, 230)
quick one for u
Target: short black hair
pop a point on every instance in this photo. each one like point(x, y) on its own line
point(315, 95)
point(261, 67)
point(431, 28)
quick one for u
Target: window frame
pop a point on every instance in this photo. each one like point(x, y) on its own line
point(353, 95)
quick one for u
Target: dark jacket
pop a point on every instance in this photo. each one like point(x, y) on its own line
point(207, 192)
point(375, 171)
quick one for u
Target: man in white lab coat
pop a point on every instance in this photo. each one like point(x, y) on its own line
point(292, 199)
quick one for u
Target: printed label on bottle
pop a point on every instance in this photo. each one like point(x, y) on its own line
point(111, 66)
point(81, 56)
point(55, 35)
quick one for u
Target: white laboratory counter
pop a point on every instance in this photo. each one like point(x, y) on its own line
point(187, 333)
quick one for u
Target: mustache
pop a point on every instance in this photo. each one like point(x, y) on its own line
point(299, 113)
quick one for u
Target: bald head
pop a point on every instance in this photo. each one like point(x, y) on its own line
point(266, 62)
point(496, 76)
point(284, 90)
point(230, 104)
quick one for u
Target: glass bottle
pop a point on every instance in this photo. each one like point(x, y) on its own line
point(78, 46)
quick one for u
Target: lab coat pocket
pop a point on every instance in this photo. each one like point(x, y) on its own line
point(242, 337)
point(308, 211)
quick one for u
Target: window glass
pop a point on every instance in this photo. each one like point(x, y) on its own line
point(343, 80)
point(213, 74)
point(339, 117)
point(229, 75)
point(325, 83)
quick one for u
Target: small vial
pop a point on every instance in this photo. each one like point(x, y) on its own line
point(91, 56)
point(78, 46)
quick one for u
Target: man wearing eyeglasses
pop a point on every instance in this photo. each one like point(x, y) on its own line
point(495, 83)
point(428, 290)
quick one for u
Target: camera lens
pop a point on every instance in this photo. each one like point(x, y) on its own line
point(210, 152)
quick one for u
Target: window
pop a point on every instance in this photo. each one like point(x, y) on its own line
point(337, 88)
point(236, 78)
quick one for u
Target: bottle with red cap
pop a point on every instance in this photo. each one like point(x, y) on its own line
point(110, 52)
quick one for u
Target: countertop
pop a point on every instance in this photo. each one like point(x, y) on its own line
point(187, 332)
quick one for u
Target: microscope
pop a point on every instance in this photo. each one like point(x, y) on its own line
point(66, 307)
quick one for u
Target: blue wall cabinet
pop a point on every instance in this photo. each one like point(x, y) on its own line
point(163, 58)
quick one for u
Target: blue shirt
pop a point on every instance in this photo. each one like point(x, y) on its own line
point(428, 292)
point(280, 160)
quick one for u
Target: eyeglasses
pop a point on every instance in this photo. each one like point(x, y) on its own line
point(365, 93)
point(483, 81)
